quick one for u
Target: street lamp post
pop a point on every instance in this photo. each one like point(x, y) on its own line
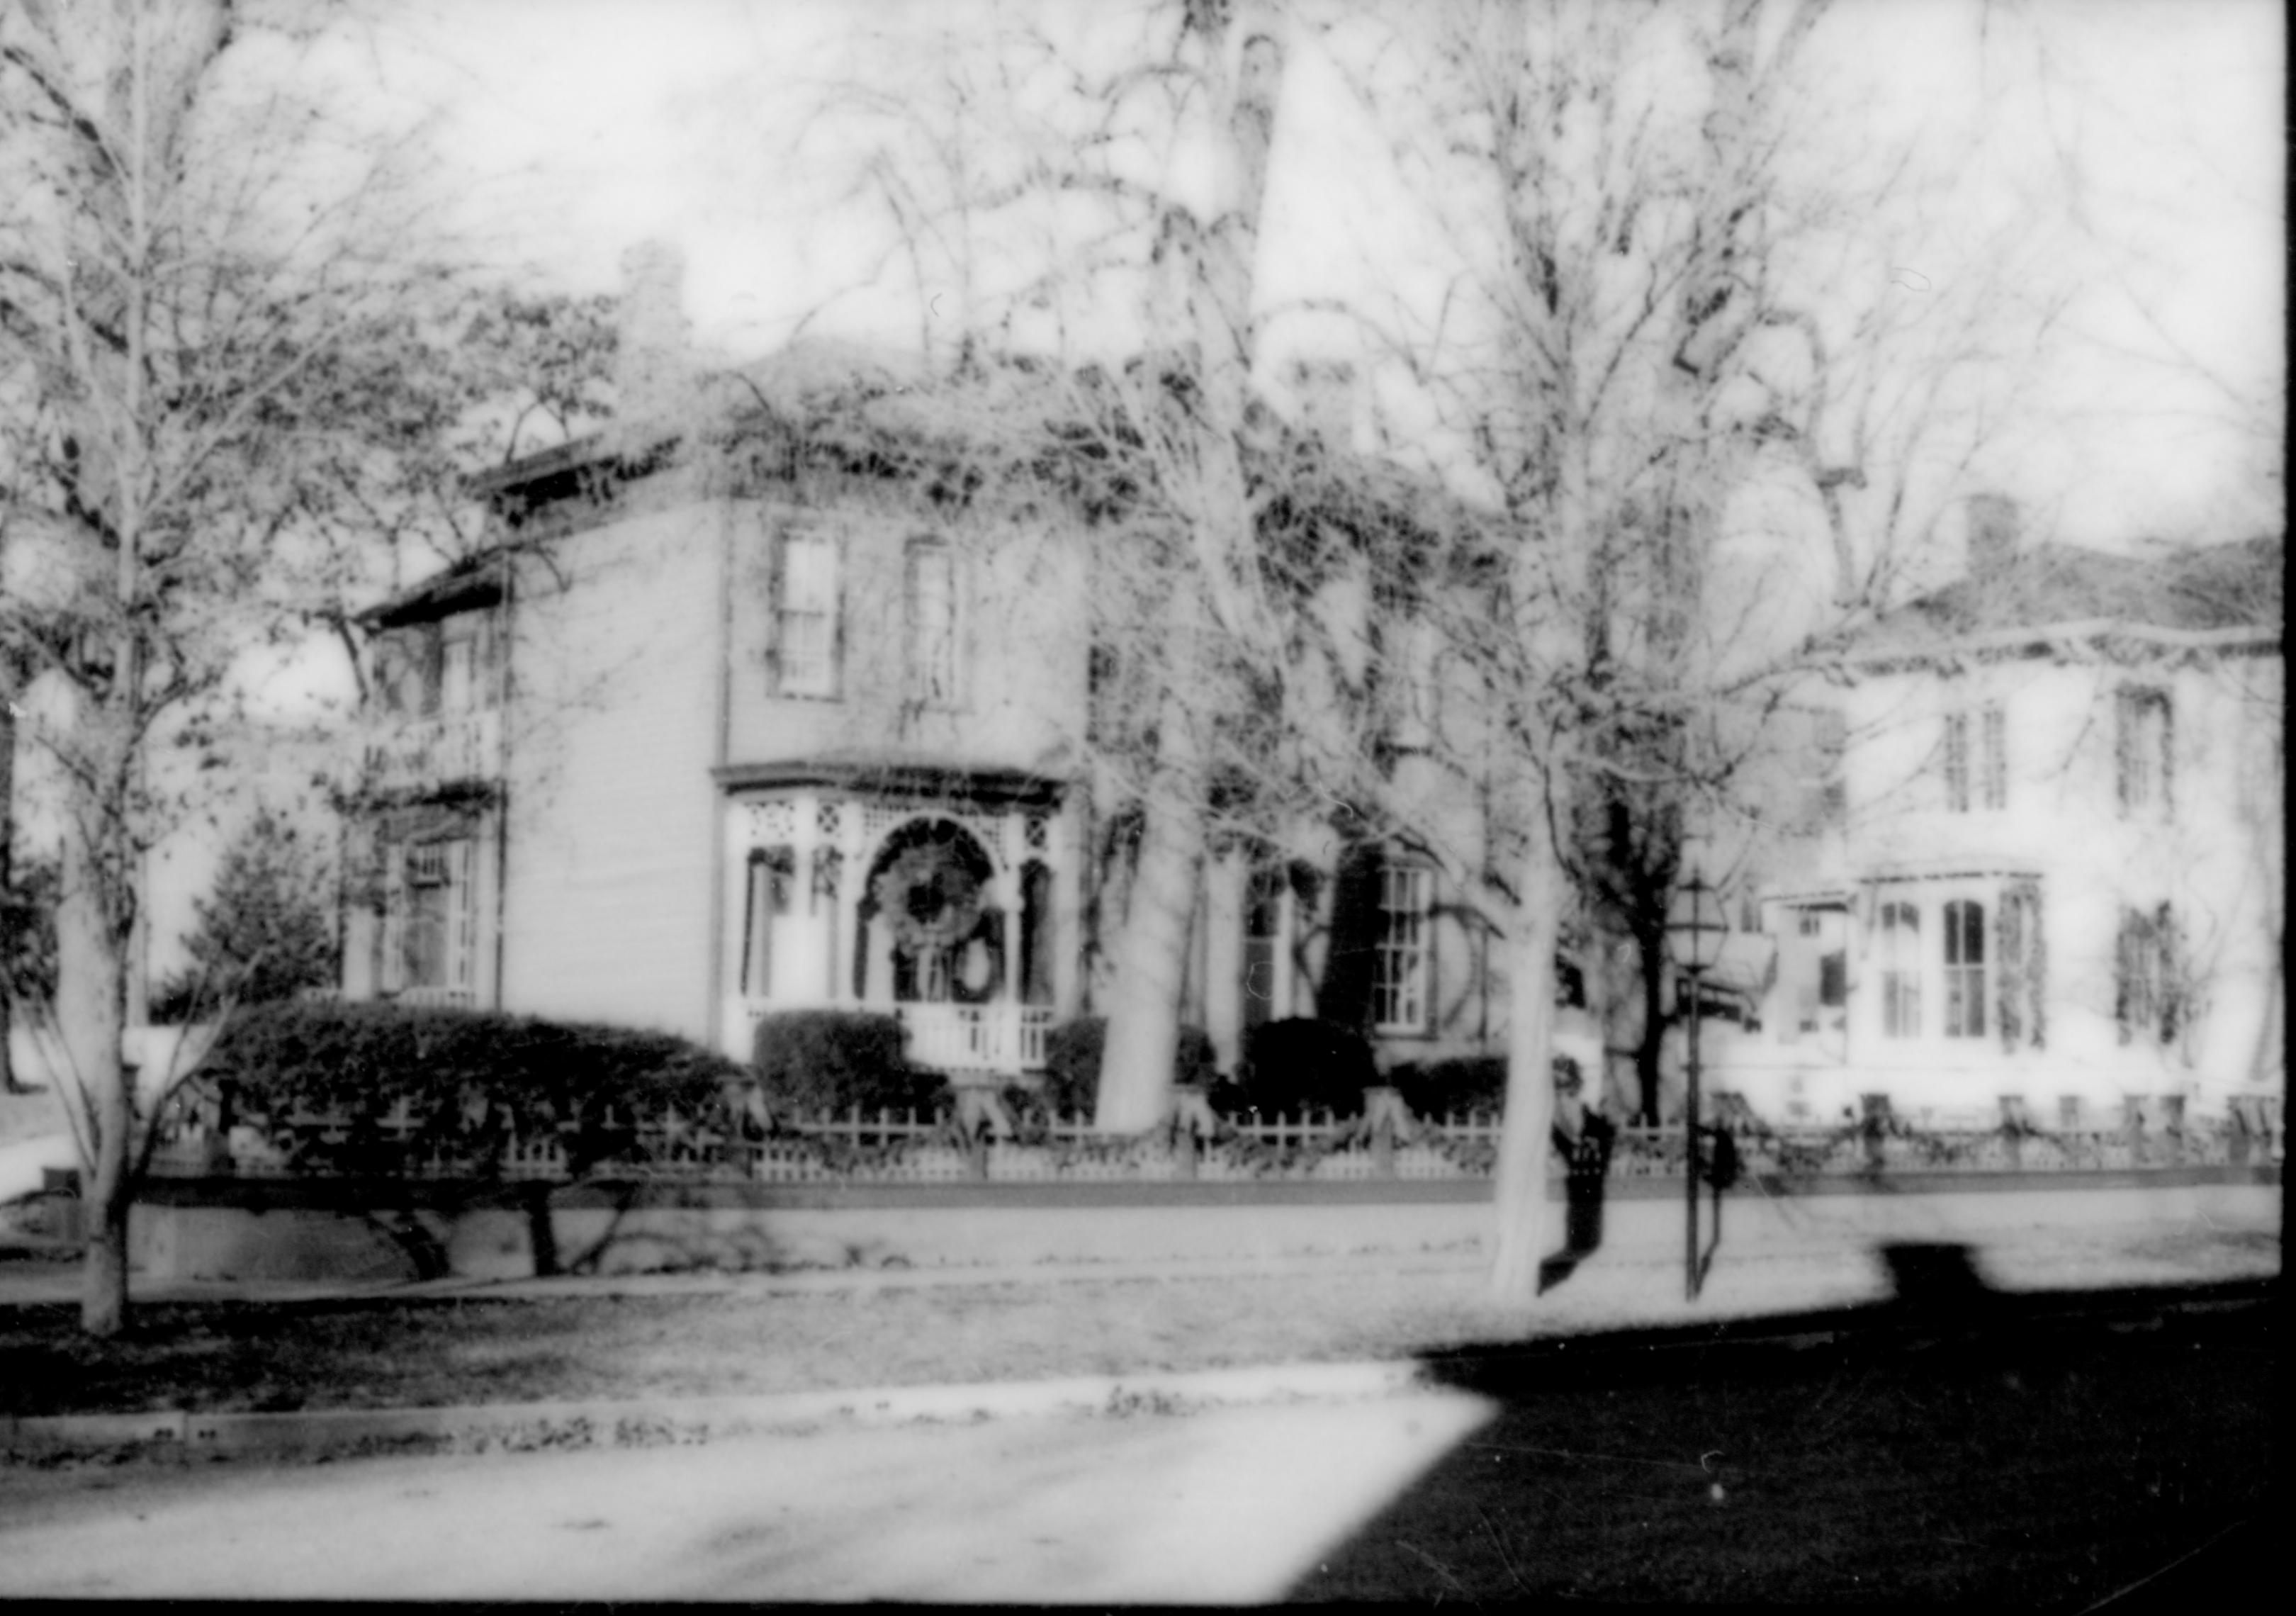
point(1695, 930)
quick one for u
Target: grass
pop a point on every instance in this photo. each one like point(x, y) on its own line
point(413, 1353)
point(744, 1337)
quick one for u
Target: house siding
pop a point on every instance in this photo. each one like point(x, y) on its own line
point(612, 810)
point(1022, 643)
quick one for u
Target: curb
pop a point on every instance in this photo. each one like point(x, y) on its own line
point(666, 1421)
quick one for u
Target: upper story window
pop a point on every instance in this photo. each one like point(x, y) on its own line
point(440, 668)
point(1901, 971)
point(1832, 745)
point(1399, 971)
point(2144, 753)
point(929, 598)
point(808, 596)
point(1977, 759)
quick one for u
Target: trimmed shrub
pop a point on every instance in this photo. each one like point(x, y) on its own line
point(1461, 1084)
point(1072, 1055)
point(470, 1081)
point(1303, 1064)
point(813, 1061)
point(1466, 1084)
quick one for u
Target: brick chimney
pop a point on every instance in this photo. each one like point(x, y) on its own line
point(1991, 534)
point(651, 361)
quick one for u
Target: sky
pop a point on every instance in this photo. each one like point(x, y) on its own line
point(579, 127)
point(572, 129)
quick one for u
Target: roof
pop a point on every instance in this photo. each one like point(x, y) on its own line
point(473, 580)
point(2230, 590)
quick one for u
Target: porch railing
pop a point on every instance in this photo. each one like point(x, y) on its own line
point(977, 1037)
point(1004, 1039)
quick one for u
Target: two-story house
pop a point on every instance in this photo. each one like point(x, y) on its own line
point(2047, 872)
point(735, 715)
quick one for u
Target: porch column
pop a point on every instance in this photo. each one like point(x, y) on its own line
point(852, 882)
point(733, 1030)
point(1064, 857)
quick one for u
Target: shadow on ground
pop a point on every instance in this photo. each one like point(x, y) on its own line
point(2047, 1448)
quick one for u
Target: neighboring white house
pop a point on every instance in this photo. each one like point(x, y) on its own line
point(2049, 872)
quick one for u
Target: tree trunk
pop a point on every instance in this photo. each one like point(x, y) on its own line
point(1144, 1021)
point(8, 1083)
point(1525, 1217)
point(90, 1000)
point(1650, 1063)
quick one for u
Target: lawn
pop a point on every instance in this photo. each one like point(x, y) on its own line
point(744, 1336)
point(742, 1340)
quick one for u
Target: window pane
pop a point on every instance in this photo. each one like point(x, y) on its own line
point(1400, 983)
point(808, 622)
point(932, 624)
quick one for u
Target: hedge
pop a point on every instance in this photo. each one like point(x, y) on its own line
point(1303, 1064)
point(472, 1082)
point(1465, 1084)
point(813, 1061)
point(1072, 1058)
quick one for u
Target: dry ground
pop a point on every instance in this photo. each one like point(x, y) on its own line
point(747, 1338)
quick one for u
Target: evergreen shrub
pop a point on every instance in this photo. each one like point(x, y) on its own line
point(1073, 1057)
point(813, 1061)
point(472, 1082)
point(1304, 1064)
point(1464, 1084)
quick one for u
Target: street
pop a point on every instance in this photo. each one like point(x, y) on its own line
point(1226, 1506)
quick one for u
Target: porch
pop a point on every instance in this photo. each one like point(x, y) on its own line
point(952, 911)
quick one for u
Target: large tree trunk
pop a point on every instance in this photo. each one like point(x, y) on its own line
point(1143, 1020)
point(91, 1002)
point(1210, 252)
point(1525, 1218)
point(8, 1083)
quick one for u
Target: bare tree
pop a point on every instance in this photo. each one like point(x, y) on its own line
point(208, 291)
point(1669, 291)
point(1049, 187)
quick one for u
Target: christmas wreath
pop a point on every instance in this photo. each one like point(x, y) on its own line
point(929, 899)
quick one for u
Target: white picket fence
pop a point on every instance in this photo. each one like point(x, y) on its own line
point(920, 1147)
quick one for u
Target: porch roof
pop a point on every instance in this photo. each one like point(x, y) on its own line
point(904, 776)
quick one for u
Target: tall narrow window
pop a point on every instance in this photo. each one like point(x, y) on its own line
point(1833, 786)
point(1964, 970)
point(932, 627)
point(1993, 757)
point(806, 616)
point(1901, 971)
point(2019, 996)
point(1399, 968)
point(2147, 1003)
point(2143, 752)
point(1956, 763)
point(430, 935)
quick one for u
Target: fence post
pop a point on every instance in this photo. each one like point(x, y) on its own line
point(1875, 1125)
point(1383, 1110)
